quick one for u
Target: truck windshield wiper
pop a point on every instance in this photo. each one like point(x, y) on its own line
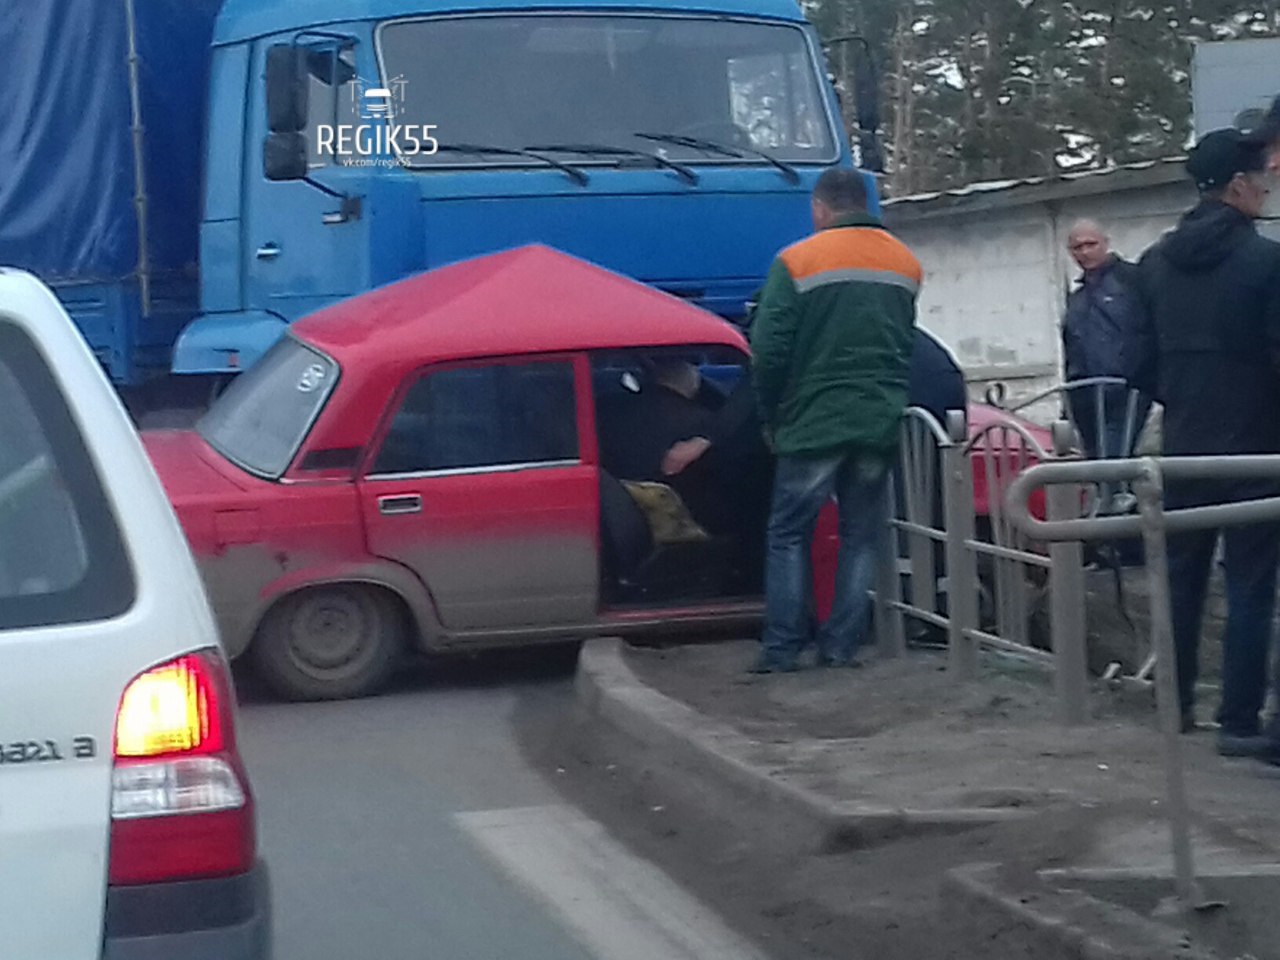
point(724, 149)
point(604, 150)
point(573, 173)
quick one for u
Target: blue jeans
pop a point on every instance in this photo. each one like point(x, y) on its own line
point(802, 487)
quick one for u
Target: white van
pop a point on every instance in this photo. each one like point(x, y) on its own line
point(126, 820)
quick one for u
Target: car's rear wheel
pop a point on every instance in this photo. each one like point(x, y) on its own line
point(330, 642)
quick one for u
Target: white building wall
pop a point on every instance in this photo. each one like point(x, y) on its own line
point(996, 279)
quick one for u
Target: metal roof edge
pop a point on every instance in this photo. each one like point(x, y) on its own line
point(1013, 193)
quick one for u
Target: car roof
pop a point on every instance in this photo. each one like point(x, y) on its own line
point(532, 299)
point(244, 19)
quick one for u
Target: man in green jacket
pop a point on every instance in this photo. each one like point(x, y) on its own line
point(831, 342)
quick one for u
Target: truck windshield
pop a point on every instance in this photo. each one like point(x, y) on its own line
point(264, 415)
point(522, 80)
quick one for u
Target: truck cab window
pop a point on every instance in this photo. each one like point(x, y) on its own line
point(774, 102)
point(503, 81)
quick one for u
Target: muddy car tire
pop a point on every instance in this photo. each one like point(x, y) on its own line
point(330, 643)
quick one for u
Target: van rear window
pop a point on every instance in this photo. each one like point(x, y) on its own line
point(61, 557)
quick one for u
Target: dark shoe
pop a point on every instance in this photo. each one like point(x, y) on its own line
point(849, 659)
point(1189, 721)
point(767, 664)
point(1272, 754)
point(1248, 745)
point(837, 662)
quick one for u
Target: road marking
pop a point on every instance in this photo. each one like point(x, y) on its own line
point(619, 906)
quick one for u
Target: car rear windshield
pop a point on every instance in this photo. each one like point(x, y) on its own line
point(61, 556)
point(263, 416)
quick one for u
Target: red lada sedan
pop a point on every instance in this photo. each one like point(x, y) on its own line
point(468, 459)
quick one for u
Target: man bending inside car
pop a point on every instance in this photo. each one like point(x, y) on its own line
point(832, 341)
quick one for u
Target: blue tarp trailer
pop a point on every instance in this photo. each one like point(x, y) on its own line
point(101, 165)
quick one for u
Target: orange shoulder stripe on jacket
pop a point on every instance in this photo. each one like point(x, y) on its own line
point(852, 253)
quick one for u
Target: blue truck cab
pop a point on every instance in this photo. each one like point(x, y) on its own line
point(348, 143)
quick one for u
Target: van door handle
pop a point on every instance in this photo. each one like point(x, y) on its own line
point(269, 251)
point(398, 504)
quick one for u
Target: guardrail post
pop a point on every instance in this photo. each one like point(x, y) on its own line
point(1147, 477)
point(891, 635)
point(962, 567)
point(1066, 596)
point(1150, 493)
point(918, 486)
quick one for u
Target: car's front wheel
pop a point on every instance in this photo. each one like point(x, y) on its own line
point(330, 642)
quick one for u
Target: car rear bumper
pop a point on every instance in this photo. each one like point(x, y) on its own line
point(227, 918)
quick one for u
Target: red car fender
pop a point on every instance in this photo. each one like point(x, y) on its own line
point(396, 579)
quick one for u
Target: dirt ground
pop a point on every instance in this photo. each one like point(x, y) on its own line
point(901, 733)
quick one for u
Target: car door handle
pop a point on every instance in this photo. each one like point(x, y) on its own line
point(399, 504)
point(269, 251)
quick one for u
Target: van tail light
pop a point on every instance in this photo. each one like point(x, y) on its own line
point(180, 802)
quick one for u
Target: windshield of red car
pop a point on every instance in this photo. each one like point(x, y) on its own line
point(261, 419)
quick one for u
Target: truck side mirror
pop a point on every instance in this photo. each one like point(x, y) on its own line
point(287, 88)
point(867, 104)
point(284, 156)
point(866, 101)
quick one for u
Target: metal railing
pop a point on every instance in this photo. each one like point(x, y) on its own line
point(1147, 475)
point(1016, 552)
point(951, 550)
point(1136, 409)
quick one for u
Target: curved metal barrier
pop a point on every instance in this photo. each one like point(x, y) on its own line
point(1132, 425)
point(1147, 476)
point(970, 573)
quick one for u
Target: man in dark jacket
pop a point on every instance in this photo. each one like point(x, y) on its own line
point(1208, 349)
point(935, 381)
point(1099, 325)
point(831, 342)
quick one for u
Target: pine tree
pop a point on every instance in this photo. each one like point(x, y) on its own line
point(994, 89)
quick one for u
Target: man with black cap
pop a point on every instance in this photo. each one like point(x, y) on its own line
point(1208, 347)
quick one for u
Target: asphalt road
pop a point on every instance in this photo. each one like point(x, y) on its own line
point(410, 826)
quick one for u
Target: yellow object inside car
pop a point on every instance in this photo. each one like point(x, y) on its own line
point(669, 518)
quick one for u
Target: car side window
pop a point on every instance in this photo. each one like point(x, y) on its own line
point(487, 416)
point(61, 556)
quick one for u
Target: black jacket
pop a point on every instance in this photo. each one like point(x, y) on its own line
point(935, 381)
point(1101, 322)
point(1209, 336)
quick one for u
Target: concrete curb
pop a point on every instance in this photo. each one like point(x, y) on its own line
point(697, 752)
point(1036, 920)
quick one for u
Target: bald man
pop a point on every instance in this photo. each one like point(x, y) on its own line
point(1097, 331)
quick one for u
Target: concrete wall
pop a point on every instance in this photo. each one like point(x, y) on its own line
point(996, 277)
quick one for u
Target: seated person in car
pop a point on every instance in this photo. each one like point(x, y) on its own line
point(725, 491)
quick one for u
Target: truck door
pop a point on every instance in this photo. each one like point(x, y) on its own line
point(303, 247)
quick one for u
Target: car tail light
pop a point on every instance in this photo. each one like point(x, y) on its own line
point(180, 803)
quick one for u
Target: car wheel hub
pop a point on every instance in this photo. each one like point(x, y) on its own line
point(330, 632)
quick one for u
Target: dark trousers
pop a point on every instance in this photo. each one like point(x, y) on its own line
point(1251, 553)
point(1115, 409)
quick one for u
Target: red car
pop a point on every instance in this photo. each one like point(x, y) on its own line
point(466, 460)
